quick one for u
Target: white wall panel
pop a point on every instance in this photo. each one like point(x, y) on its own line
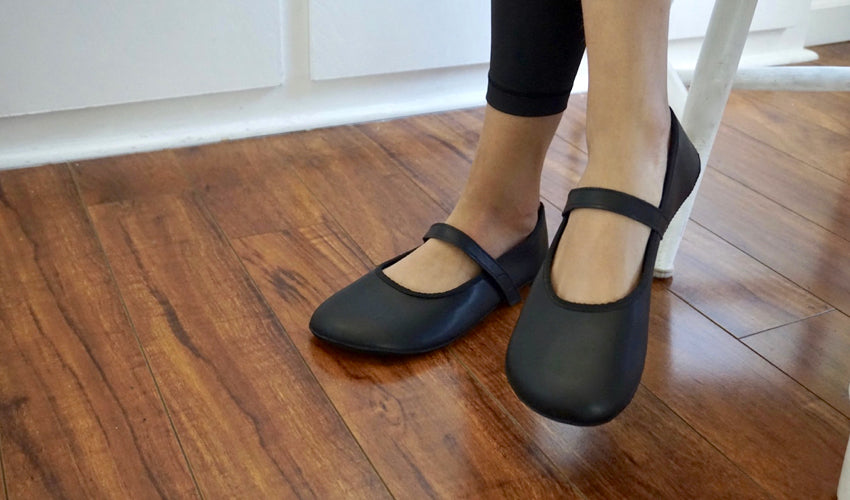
point(65, 54)
point(369, 37)
point(689, 18)
point(829, 23)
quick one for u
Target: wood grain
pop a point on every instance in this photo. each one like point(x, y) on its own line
point(253, 420)
point(815, 352)
point(248, 186)
point(781, 128)
point(427, 425)
point(816, 107)
point(834, 54)
point(3, 471)
point(736, 291)
point(115, 179)
point(805, 190)
point(646, 452)
point(362, 188)
point(758, 417)
point(80, 415)
point(810, 256)
point(430, 150)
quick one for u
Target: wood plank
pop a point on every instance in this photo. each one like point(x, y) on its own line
point(834, 54)
point(247, 170)
point(803, 189)
point(424, 422)
point(252, 418)
point(362, 188)
point(780, 128)
point(247, 185)
point(114, 179)
point(430, 150)
point(784, 437)
point(3, 472)
point(646, 452)
point(81, 415)
point(815, 352)
point(736, 291)
point(827, 109)
point(810, 256)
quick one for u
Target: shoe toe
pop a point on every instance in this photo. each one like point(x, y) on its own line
point(362, 316)
point(585, 373)
point(374, 316)
point(557, 393)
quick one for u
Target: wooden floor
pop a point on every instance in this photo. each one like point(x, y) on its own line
point(154, 308)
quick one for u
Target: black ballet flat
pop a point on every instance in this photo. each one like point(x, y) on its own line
point(578, 363)
point(375, 314)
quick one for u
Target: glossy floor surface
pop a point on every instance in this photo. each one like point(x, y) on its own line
point(154, 308)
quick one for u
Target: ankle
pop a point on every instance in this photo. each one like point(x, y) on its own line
point(629, 158)
point(496, 227)
point(644, 132)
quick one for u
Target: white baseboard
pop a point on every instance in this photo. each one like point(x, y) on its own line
point(829, 22)
point(129, 128)
point(300, 105)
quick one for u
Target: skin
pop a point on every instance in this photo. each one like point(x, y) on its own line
point(628, 122)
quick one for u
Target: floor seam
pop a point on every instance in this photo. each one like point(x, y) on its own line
point(510, 416)
point(779, 273)
point(3, 468)
point(132, 326)
point(223, 235)
point(799, 320)
point(769, 198)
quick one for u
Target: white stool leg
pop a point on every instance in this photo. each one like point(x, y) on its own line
point(844, 480)
point(715, 70)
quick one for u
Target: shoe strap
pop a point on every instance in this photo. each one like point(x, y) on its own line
point(619, 203)
point(504, 283)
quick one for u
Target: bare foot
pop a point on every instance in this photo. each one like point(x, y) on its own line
point(437, 266)
point(498, 206)
point(599, 256)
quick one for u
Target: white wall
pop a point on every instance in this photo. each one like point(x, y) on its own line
point(69, 54)
point(829, 22)
point(142, 88)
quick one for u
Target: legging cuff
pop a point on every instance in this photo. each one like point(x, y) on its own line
point(525, 103)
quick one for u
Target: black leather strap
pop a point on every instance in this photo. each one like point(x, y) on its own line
point(504, 283)
point(619, 203)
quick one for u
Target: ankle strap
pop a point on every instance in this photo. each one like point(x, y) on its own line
point(504, 283)
point(619, 203)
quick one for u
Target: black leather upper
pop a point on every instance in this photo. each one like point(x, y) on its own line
point(582, 363)
point(617, 202)
point(492, 270)
point(376, 314)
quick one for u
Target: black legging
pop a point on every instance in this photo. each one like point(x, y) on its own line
point(535, 50)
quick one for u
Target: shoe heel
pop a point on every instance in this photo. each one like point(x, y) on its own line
point(669, 245)
point(690, 166)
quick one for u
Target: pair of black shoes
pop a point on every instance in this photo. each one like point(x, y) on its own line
point(574, 363)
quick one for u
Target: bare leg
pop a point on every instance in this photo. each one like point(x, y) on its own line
point(497, 208)
point(628, 123)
